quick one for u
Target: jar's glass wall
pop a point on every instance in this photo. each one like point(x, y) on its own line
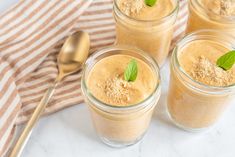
point(121, 126)
point(154, 37)
point(191, 105)
point(121, 130)
point(202, 18)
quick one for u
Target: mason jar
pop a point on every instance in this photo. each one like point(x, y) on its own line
point(120, 126)
point(192, 105)
point(152, 36)
point(201, 16)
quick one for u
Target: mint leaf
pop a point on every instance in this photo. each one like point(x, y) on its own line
point(131, 71)
point(226, 61)
point(150, 2)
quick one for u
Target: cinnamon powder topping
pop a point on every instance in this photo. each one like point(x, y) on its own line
point(130, 7)
point(208, 73)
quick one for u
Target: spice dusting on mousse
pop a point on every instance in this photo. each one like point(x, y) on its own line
point(118, 89)
point(146, 9)
point(208, 62)
point(107, 81)
point(131, 7)
point(209, 73)
point(221, 7)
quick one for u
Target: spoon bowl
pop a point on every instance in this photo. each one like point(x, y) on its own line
point(73, 54)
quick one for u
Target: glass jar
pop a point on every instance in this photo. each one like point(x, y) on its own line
point(192, 105)
point(152, 36)
point(120, 126)
point(203, 18)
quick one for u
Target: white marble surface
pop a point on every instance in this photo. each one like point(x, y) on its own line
point(70, 133)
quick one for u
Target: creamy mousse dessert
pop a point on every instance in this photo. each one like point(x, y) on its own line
point(212, 14)
point(149, 28)
point(199, 89)
point(121, 108)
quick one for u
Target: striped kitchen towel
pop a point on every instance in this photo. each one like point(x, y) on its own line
point(31, 34)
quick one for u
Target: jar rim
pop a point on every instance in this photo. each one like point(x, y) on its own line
point(201, 34)
point(165, 18)
point(217, 17)
point(98, 103)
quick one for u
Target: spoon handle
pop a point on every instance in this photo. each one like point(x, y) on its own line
point(17, 150)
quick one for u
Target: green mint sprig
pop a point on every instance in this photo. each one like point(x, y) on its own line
point(226, 61)
point(150, 2)
point(131, 71)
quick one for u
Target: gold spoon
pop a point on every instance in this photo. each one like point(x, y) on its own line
point(70, 59)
